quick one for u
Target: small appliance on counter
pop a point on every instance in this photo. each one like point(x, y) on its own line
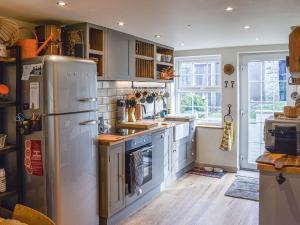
point(282, 136)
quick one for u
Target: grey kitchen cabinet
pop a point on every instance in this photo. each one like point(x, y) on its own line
point(158, 141)
point(112, 179)
point(168, 146)
point(94, 42)
point(182, 147)
point(120, 56)
point(184, 150)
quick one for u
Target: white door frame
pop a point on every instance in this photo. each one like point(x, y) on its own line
point(243, 131)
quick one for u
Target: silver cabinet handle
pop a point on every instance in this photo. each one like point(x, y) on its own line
point(87, 99)
point(89, 122)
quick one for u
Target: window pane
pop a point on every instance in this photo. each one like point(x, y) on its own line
point(206, 106)
point(186, 68)
point(186, 81)
point(186, 99)
point(200, 81)
point(255, 70)
point(200, 68)
point(255, 91)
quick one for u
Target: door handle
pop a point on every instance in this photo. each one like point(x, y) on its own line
point(89, 122)
point(87, 99)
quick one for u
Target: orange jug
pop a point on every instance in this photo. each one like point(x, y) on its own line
point(29, 47)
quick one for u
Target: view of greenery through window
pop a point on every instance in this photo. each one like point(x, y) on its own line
point(199, 88)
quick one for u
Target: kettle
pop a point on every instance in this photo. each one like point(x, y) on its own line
point(29, 47)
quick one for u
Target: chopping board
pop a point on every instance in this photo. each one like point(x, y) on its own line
point(143, 124)
point(279, 161)
point(107, 138)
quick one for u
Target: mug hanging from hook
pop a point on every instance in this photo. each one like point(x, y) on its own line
point(228, 117)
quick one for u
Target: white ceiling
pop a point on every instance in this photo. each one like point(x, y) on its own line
point(212, 26)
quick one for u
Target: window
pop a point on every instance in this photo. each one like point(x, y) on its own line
point(198, 88)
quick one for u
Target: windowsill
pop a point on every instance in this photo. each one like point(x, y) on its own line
point(209, 126)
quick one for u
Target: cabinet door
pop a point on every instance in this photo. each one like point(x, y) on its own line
point(158, 156)
point(182, 148)
point(167, 158)
point(117, 178)
point(119, 54)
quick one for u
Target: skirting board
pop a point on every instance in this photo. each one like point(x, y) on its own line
point(230, 169)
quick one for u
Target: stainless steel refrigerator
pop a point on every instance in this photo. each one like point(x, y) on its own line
point(61, 92)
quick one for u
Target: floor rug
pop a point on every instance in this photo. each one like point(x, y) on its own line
point(201, 172)
point(245, 188)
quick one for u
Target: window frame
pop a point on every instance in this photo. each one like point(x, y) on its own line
point(202, 59)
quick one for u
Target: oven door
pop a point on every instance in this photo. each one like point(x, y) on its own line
point(147, 162)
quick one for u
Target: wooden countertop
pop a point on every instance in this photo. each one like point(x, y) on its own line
point(108, 139)
point(278, 163)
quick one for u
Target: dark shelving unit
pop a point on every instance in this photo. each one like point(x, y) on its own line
point(14, 188)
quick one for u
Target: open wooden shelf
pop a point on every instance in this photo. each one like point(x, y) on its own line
point(7, 59)
point(96, 39)
point(7, 103)
point(144, 60)
point(144, 68)
point(7, 194)
point(98, 59)
point(7, 149)
point(164, 64)
point(96, 52)
point(144, 49)
point(144, 57)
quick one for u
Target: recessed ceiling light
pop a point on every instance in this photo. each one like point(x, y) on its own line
point(121, 23)
point(157, 36)
point(181, 44)
point(256, 39)
point(61, 3)
point(229, 8)
point(246, 27)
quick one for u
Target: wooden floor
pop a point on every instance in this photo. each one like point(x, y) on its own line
point(197, 200)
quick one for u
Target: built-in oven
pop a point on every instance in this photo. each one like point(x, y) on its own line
point(144, 145)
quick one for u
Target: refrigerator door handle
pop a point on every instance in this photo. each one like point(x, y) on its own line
point(89, 122)
point(87, 99)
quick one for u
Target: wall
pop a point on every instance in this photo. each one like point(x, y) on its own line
point(208, 139)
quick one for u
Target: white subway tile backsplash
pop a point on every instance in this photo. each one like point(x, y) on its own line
point(102, 92)
point(102, 108)
point(112, 107)
point(100, 100)
point(108, 94)
point(107, 84)
point(105, 100)
point(99, 84)
point(111, 92)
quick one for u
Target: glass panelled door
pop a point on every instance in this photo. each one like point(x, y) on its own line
point(263, 91)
